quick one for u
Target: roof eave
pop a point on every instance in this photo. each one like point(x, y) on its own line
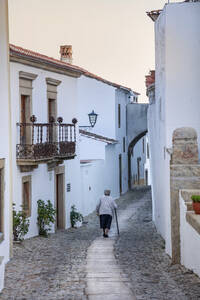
point(43, 64)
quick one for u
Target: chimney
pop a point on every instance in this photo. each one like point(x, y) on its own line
point(66, 53)
point(150, 79)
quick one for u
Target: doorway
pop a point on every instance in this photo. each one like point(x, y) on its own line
point(120, 174)
point(146, 177)
point(60, 207)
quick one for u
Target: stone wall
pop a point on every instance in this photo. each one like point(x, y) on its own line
point(184, 174)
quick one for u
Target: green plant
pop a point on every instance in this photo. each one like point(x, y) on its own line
point(20, 224)
point(195, 198)
point(46, 216)
point(75, 216)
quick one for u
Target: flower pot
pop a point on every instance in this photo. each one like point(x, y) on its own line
point(196, 207)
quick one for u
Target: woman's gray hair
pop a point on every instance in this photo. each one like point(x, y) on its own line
point(107, 192)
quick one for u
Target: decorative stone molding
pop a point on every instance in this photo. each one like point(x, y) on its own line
point(27, 76)
point(52, 81)
point(27, 179)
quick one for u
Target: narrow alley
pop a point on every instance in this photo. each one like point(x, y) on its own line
point(57, 267)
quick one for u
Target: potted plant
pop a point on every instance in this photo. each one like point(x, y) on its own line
point(46, 216)
point(196, 203)
point(20, 225)
point(75, 216)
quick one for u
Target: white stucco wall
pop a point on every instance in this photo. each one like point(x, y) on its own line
point(74, 197)
point(176, 102)
point(104, 100)
point(92, 185)
point(96, 176)
point(5, 146)
point(91, 148)
point(123, 99)
point(190, 241)
point(104, 170)
point(100, 97)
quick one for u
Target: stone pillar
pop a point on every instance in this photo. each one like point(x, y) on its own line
point(184, 174)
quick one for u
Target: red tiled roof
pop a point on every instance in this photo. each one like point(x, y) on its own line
point(154, 14)
point(58, 63)
point(97, 137)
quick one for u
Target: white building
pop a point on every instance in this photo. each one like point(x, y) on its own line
point(173, 104)
point(109, 101)
point(5, 146)
point(46, 152)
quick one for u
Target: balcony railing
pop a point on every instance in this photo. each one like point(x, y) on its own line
point(46, 141)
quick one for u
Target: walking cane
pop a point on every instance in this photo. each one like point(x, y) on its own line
point(116, 221)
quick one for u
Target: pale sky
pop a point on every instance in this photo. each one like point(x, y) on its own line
point(111, 38)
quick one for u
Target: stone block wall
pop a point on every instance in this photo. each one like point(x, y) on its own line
point(184, 174)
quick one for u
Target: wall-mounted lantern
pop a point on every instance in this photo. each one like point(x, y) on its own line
point(92, 119)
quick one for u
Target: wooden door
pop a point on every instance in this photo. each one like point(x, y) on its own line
point(120, 173)
point(138, 170)
point(60, 201)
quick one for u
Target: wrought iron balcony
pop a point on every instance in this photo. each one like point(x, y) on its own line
point(46, 141)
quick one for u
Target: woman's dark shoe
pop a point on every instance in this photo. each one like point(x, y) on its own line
point(106, 236)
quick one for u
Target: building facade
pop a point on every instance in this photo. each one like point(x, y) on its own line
point(6, 145)
point(173, 105)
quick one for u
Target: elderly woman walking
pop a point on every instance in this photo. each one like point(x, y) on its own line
point(105, 209)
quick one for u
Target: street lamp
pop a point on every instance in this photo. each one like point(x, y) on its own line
point(92, 119)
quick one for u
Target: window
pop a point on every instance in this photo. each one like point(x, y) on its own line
point(26, 195)
point(51, 109)
point(25, 90)
point(147, 150)
point(25, 118)
point(143, 145)
point(1, 198)
point(119, 116)
point(52, 93)
point(124, 144)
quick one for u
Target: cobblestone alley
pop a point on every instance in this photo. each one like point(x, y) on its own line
point(56, 267)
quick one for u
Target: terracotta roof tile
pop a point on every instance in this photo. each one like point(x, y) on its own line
point(32, 54)
point(97, 137)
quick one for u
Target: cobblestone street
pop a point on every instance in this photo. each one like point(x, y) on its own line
point(140, 253)
point(51, 268)
point(55, 267)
